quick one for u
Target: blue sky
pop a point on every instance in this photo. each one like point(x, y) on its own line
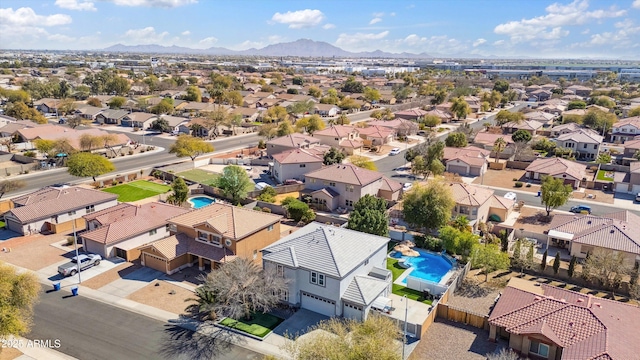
point(536, 28)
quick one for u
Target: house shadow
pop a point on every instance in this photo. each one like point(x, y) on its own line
point(142, 273)
point(6, 234)
point(472, 290)
point(180, 341)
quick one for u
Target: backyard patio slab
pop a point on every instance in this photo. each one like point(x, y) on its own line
point(299, 323)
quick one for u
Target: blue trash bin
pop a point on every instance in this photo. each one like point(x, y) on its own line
point(539, 193)
point(74, 291)
point(56, 286)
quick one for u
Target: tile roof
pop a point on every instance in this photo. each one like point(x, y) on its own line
point(345, 173)
point(353, 144)
point(582, 136)
point(632, 144)
point(539, 116)
point(524, 125)
point(633, 121)
point(567, 126)
point(486, 138)
point(171, 247)
point(363, 290)
point(634, 167)
point(557, 166)
point(471, 155)
point(470, 195)
point(294, 140)
point(415, 112)
point(114, 213)
point(141, 116)
point(390, 185)
point(51, 201)
point(402, 124)
point(296, 156)
point(230, 221)
point(334, 251)
point(327, 191)
point(376, 131)
point(584, 326)
point(145, 218)
point(501, 202)
point(336, 130)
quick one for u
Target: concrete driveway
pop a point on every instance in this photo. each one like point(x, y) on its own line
point(132, 282)
point(299, 323)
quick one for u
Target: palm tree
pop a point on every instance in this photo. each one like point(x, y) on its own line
point(343, 119)
point(203, 309)
point(499, 147)
point(461, 223)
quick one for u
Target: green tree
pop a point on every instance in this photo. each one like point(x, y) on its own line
point(333, 156)
point(439, 97)
point(371, 94)
point(165, 106)
point(605, 102)
point(275, 114)
point(298, 80)
point(45, 146)
point(428, 206)
point(456, 139)
point(298, 210)
point(315, 92)
point(498, 147)
point(554, 193)
point(460, 108)
point(369, 215)
point(21, 111)
point(310, 124)
point(84, 164)
point(599, 120)
point(8, 186)
point(161, 125)
point(349, 340)
point(18, 294)
point(116, 102)
point(458, 242)
point(74, 121)
point(193, 94)
point(189, 146)
point(235, 183)
point(556, 263)
point(634, 112)
point(522, 255)
point(521, 136)
point(119, 86)
point(301, 107)
point(490, 259)
point(431, 121)
point(604, 158)
point(572, 266)
point(285, 128)
point(501, 86)
point(362, 162)
point(543, 263)
point(352, 86)
point(180, 192)
point(576, 104)
point(268, 194)
point(505, 116)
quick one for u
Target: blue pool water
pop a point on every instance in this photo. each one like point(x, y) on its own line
point(427, 266)
point(201, 201)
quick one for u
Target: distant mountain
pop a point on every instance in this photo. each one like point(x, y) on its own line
point(301, 48)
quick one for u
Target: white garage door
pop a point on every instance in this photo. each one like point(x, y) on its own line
point(318, 304)
point(14, 226)
point(636, 189)
point(350, 311)
point(457, 169)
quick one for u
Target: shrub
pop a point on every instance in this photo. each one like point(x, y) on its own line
point(69, 241)
point(518, 184)
point(528, 185)
point(515, 179)
point(130, 152)
point(257, 208)
point(30, 153)
point(266, 209)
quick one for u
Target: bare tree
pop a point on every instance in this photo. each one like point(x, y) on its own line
point(607, 268)
point(11, 185)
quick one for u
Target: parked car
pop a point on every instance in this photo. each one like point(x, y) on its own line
point(580, 208)
point(407, 186)
point(292, 182)
point(638, 197)
point(261, 185)
point(62, 121)
point(86, 261)
point(394, 151)
point(511, 196)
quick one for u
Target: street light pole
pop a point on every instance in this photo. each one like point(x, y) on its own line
point(75, 244)
point(404, 333)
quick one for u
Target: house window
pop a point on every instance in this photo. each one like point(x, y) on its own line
point(303, 165)
point(282, 294)
point(228, 242)
point(203, 236)
point(167, 227)
point(366, 262)
point(595, 147)
point(313, 181)
point(72, 212)
point(90, 209)
point(474, 211)
point(539, 349)
point(332, 184)
point(255, 254)
point(348, 202)
point(350, 188)
point(280, 270)
point(215, 240)
point(317, 279)
point(153, 232)
point(585, 146)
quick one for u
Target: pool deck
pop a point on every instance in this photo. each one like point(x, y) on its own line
point(443, 281)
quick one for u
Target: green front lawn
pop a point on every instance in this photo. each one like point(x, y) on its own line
point(260, 325)
point(602, 176)
point(199, 176)
point(2, 224)
point(396, 271)
point(137, 190)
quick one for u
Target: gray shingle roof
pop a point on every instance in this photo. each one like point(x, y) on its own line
point(327, 249)
point(364, 289)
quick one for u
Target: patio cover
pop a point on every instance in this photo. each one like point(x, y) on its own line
point(560, 235)
point(382, 303)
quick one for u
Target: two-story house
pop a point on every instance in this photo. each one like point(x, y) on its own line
point(293, 164)
point(211, 236)
point(122, 230)
point(56, 209)
point(331, 270)
point(342, 185)
point(625, 129)
point(564, 129)
point(478, 203)
point(290, 142)
point(584, 142)
point(342, 137)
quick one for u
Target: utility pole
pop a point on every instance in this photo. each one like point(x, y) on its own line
point(404, 333)
point(75, 244)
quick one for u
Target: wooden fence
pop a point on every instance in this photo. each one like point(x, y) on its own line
point(462, 316)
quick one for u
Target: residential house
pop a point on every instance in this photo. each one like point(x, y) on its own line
point(329, 110)
point(625, 129)
point(211, 236)
point(401, 127)
point(564, 129)
point(56, 209)
point(331, 270)
point(411, 114)
point(247, 114)
point(530, 126)
point(444, 116)
point(289, 142)
point(343, 137)
point(11, 127)
point(479, 203)
point(540, 95)
point(138, 120)
point(631, 147)
point(467, 161)
point(89, 112)
point(121, 231)
point(342, 185)
point(628, 183)
point(583, 234)
point(111, 117)
point(548, 322)
point(580, 90)
point(175, 122)
point(584, 142)
point(294, 164)
point(376, 135)
point(570, 172)
point(546, 119)
point(47, 105)
point(486, 140)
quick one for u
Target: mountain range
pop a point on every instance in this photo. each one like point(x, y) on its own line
point(301, 48)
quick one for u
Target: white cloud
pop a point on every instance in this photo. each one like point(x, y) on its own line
point(27, 17)
point(585, 31)
point(80, 5)
point(328, 26)
point(624, 37)
point(479, 42)
point(154, 3)
point(359, 40)
point(392, 14)
point(299, 19)
point(208, 41)
point(185, 33)
point(636, 4)
point(558, 15)
point(377, 14)
point(499, 43)
point(146, 35)
point(375, 20)
point(60, 38)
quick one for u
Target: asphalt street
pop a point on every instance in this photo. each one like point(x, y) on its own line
point(91, 330)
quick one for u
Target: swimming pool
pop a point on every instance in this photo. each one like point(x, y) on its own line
point(201, 201)
point(428, 266)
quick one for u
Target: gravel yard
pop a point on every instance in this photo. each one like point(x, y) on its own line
point(533, 219)
point(33, 252)
point(449, 340)
point(475, 296)
point(166, 296)
point(112, 275)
